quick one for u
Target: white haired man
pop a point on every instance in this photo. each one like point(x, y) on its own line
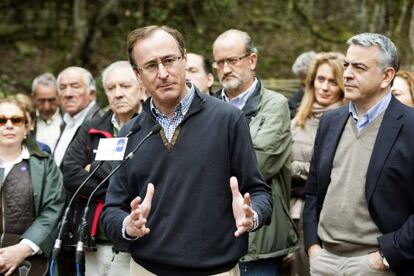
point(77, 92)
point(124, 96)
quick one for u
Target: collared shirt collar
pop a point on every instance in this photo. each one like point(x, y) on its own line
point(182, 107)
point(240, 100)
point(8, 165)
point(169, 125)
point(24, 155)
point(51, 119)
point(78, 118)
point(115, 124)
point(372, 113)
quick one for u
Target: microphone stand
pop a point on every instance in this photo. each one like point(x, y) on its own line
point(63, 223)
point(84, 224)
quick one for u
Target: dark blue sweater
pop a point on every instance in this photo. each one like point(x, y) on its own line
point(191, 220)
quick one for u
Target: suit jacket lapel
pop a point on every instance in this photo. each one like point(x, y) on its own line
point(330, 143)
point(387, 134)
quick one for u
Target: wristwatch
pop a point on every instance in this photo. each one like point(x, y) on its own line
point(255, 221)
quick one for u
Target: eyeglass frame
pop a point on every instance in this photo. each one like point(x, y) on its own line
point(231, 61)
point(21, 120)
point(149, 72)
point(49, 100)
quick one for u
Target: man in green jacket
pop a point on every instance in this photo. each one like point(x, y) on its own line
point(235, 59)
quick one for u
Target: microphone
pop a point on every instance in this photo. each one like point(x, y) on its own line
point(134, 129)
point(62, 225)
point(84, 225)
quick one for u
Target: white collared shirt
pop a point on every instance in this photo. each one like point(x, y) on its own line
point(72, 125)
point(115, 124)
point(48, 131)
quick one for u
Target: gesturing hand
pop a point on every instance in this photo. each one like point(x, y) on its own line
point(242, 209)
point(136, 222)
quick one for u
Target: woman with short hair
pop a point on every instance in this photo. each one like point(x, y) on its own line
point(32, 196)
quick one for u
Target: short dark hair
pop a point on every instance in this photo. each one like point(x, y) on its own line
point(207, 65)
point(145, 32)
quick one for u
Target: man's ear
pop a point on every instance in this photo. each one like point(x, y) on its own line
point(388, 77)
point(210, 80)
point(185, 58)
point(92, 94)
point(138, 76)
point(253, 61)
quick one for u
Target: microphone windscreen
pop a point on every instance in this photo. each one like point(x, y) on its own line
point(155, 129)
point(134, 129)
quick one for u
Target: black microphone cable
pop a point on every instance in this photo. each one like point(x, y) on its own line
point(84, 224)
point(62, 225)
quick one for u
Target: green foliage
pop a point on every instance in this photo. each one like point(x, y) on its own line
point(49, 35)
point(25, 49)
point(6, 85)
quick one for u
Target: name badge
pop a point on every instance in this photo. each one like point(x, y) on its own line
point(111, 149)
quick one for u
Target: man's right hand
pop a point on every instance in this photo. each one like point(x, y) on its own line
point(12, 256)
point(135, 225)
point(314, 249)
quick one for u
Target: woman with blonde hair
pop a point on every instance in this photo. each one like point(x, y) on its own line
point(324, 90)
point(403, 87)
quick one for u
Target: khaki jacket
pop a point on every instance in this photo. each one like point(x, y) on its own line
point(268, 114)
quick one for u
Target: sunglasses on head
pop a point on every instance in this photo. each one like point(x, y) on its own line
point(16, 121)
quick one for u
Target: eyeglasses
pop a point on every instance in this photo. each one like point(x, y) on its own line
point(16, 121)
point(151, 68)
point(43, 101)
point(230, 61)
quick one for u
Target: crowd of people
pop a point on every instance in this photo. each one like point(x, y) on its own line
point(237, 181)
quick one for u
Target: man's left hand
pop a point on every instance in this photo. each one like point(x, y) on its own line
point(375, 261)
point(12, 256)
point(242, 209)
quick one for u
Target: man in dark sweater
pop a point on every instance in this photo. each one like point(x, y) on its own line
point(199, 221)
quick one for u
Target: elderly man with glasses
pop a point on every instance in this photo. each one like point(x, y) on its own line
point(267, 112)
point(173, 201)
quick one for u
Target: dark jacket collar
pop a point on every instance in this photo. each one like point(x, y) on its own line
point(33, 148)
point(251, 107)
point(386, 137)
